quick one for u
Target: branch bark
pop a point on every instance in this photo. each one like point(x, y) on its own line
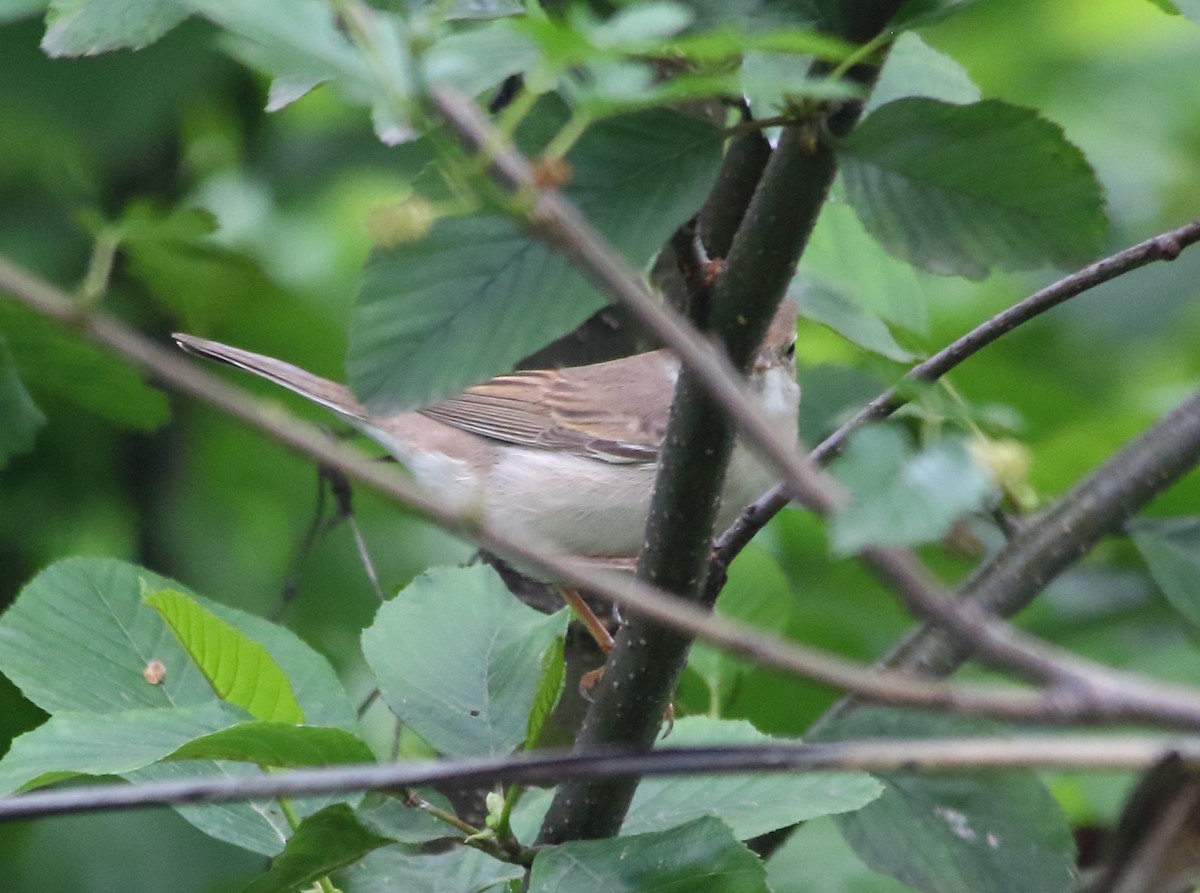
point(765, 248)
point(871, 755)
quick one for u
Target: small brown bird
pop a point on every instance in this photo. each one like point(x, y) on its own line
point(566, 455)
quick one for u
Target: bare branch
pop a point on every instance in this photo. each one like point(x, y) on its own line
point(1072, 752)
point(1163, 247)
point(172, 369)
point(1125, 697)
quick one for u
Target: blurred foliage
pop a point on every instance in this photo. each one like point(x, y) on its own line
point(157, 148)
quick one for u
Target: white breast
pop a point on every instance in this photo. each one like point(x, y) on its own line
point(585, 506)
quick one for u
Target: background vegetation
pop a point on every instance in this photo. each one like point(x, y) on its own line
point(158, 146)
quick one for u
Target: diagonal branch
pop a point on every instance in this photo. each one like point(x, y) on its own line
point(172, 369)
point(1043, 549)
point(556, 221)
point(1161, 704)
point(1164, 247)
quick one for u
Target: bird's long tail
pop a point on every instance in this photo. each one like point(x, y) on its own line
point(320, 390)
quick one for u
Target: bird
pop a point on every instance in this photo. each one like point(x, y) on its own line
point(566, 455)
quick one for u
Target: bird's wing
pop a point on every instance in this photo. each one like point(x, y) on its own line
point(613, 412)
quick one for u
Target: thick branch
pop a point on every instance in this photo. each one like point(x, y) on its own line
point(648, 658)
point(872, 755)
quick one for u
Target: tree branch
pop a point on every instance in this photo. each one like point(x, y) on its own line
point(1044, 548)
point(1072, 752)
point(174, 370)
point(1163, 247)
point(1159, 704)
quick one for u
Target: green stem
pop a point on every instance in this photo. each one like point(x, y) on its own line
point(567, 137)
point(99, 271)
point(293, 819)
point(861, 54)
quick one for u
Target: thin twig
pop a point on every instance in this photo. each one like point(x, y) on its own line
point(1163, 247)
point(892, 755)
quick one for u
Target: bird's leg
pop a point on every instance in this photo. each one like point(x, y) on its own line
point(598, 631)
point(600, 634)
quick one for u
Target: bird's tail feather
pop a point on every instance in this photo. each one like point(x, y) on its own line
point(320, 390)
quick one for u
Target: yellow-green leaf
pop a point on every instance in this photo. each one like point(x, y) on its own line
point(240, 670)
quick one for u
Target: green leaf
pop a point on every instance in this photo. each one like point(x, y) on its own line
point(202, 283)
point(91, 27)
point(770, 79)
point(55, 361)
point(900, 497)
point(724, 42)
point(816, 859)
point(399, 867)
point(824, 301)
point(406, 824)
point(105, 743)
point(316, 686)
point(641, 25)
point(478, 59)
point(324, 842)
point(750, 804)
point(92, 610)
point(1188, 8)
point(259, 826)
point(458, 659)
point(551, 681)
point(757, 593)
point(919, 13)
point(20, 419)
point(15, 10)
point(991, 832)
point(299, 40)
point(78, 638)
point(842, 254)
point(914, 68)
point(479, 293)
point(700, 857)
point(959, 189)
point(239, 669)
point(279, 745)
point(469, 9)
point(1171, 549)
